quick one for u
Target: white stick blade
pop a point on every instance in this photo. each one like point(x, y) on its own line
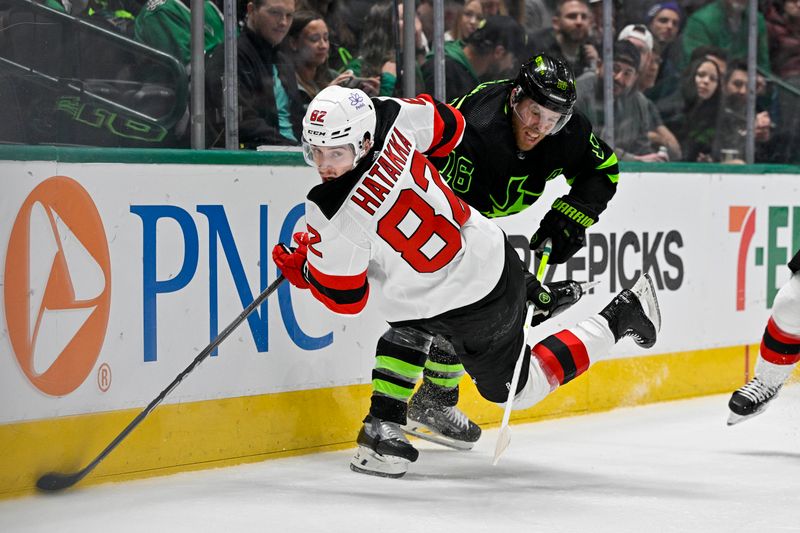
point(503, 440)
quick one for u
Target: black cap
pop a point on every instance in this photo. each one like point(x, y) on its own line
point(499, 30)
point(626, 52)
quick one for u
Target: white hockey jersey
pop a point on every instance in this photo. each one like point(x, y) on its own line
point(392, 230)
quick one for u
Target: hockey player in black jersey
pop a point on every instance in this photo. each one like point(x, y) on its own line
point(519, 135)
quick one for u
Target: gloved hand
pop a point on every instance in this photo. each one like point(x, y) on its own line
point(551, 299)
point(565, 224)
point(292, 261)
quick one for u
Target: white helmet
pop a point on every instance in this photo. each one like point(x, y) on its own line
point(339, 116)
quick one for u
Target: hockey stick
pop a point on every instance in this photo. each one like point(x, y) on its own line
point(55, 481)
point(504, 437)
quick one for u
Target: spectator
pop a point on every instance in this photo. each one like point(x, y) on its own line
point(425, 14)
point(568, 37)
point(342, 25)
point(633, 119)
point(702, 100)
point(723, 23)
point(642, 39)
point(421, 47)
point(167, 26)
point(308, 43)
point(377, 61)
point(270, 106)
point(493, 8)
point(664, 23)
point(783, 27)
point(466, 21)
point(490, 52)
point(538, 14)
point(731, 134)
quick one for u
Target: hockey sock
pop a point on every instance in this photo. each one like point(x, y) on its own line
point(442, 373)
point(780, 344)
point(398, 367)
point(780, 352)
point(567, 354)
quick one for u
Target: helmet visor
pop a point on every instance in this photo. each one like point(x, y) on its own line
point(342, 156)
point(538, 118)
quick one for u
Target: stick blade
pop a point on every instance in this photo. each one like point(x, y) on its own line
point(54, 482)
point(503, 440)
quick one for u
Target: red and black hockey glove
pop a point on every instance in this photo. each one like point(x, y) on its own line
point(292, 261)
point(565, 224)
point(551, 299)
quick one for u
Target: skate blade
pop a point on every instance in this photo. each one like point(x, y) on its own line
point(734, 419)
point(423, 432)
point(366, 461)
point(645, 290)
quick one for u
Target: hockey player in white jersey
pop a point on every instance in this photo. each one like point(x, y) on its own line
point(384, 225)
point(779, 353)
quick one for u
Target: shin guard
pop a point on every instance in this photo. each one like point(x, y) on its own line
point(399, 359)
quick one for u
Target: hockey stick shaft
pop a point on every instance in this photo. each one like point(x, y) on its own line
point(504, 437)
point(55, 481)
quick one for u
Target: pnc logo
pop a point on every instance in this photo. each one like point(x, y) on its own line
point(57, 291)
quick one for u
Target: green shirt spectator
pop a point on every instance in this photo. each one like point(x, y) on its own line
point(723, 23)
point(167, 26)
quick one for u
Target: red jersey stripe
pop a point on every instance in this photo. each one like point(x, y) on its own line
point(338, 283)
point(577, 349)
point(549, 361)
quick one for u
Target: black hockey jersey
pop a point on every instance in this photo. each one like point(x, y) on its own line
point(493, 176)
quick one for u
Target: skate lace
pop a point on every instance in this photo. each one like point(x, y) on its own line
point(455, 415)
point(391, 431)
point(758, 391)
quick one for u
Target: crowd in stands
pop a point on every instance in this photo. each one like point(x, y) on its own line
point(679, 70)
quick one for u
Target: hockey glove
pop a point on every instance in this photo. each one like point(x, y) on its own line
point(551, 299)
point(292, 261)
point(565, 224)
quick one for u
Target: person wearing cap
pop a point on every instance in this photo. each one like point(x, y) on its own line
point(633, 120)
point(723, 23)
point(642, 39)
point(569, 36)
point(486, 54)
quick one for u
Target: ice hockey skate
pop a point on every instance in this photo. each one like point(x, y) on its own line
point(383, 449)
point(442, 424)
point(751, 400)
point(635, 313)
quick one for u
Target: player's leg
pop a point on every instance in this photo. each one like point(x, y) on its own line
point(779, 353)
point(432, 412)
point(383, 449)
point(562, 357)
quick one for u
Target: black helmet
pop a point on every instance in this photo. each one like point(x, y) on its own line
point(549, 82)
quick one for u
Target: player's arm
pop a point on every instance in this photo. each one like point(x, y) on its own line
point(437, 127)
point(328, 264)
point(593, 182)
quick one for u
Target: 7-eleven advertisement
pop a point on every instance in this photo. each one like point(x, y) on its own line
point(114, 277)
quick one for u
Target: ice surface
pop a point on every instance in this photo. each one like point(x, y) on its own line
point(671, 467)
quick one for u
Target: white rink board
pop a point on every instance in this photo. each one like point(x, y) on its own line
point(699, 312)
